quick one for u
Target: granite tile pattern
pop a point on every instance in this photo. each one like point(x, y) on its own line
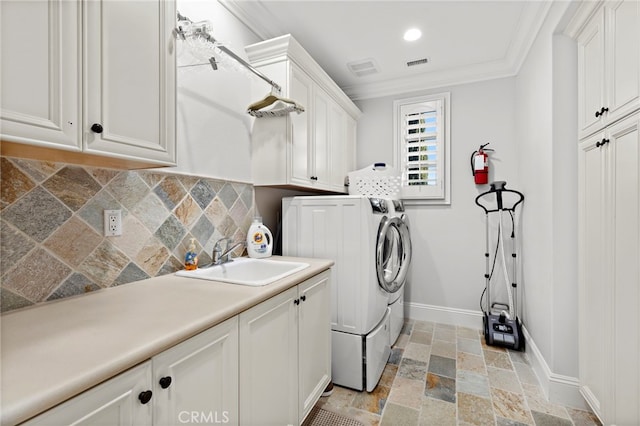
point(465, 383)
point(52, 242)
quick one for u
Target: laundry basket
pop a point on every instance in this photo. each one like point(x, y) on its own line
point(376, 180)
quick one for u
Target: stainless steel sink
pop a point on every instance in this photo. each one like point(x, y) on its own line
point(247, 271)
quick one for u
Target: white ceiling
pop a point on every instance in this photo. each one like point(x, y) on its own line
point(464, 40)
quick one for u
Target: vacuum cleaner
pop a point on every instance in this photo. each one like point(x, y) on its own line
point(502, 327)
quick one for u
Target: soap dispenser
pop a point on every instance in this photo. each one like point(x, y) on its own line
point(191, 258)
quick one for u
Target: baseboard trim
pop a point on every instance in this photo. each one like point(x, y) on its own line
point(444, 315)
point(557, 388)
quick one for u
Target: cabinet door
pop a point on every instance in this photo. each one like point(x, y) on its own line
point(320, 173)
point(315, 341)
point(339, 147)
point(40, 76)
point(624, 138)
point(130, 79)
point(113, 403)
point(595, 302)
point(300, 90)
point(622, 58)
point(197, 380)
point(591, 75)
point(269, 362)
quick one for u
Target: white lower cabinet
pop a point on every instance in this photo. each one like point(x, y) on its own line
point(266, 366)
point(285, 353)
point(195, 381)
point(114, 402)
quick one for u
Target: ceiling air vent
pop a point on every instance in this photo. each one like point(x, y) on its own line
point(363, 67)
point(417, 62)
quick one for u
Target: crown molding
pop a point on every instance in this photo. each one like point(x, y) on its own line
point(586, 10)
point(259, 20)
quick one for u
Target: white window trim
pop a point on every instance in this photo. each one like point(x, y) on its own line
point(411, 194)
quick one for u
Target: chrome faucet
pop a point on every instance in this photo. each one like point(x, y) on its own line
point(219, 256)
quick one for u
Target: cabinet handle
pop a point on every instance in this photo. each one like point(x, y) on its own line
point(145, 396)
point(601, 112)
point(296, 301)
point(602, 143)
point(303, 298)
point(96, 128)
point(165, 382)
point(314, 178)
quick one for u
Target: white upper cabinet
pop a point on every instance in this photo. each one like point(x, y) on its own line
point(41, 75)
point(311, 150)
point(130, 79)
point(609, 65)
point(97, 77)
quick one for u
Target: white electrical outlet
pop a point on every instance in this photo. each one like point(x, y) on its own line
point(112, 223)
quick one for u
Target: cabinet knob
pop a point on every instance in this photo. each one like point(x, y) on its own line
point(165, 382)
point(303, 298)
point(602, 111)
point(145, 396)
point(96, 128)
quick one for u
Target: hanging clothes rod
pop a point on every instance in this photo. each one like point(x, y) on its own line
point(202, 33)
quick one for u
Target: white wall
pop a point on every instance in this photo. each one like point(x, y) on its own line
point(449, 241)
point(547, 156)
point(213, 129)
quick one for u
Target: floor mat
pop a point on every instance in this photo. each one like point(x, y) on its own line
point(321, 417)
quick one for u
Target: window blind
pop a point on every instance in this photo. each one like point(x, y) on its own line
point(421, 148)
point(421, 137)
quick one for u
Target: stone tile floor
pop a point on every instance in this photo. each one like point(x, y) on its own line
point(445, 375)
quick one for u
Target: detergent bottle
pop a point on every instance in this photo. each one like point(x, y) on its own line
point(259, 240)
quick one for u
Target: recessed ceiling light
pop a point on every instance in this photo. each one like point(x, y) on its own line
point(412, 34)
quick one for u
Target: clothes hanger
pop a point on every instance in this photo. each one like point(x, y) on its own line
point(284, 107)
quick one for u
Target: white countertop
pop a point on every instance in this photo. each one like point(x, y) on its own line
point(54, 351)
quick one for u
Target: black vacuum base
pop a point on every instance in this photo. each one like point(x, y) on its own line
point(500, 331)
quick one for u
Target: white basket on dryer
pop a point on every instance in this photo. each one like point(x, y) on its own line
point(376, 180)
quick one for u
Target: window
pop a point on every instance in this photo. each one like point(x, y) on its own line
point(421, 136)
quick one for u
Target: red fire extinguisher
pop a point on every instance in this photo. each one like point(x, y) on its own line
point(480, 165)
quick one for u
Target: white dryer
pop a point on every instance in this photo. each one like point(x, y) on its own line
point(399, 248)
point(366, 240)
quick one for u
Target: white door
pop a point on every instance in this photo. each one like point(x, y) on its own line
point(393, 254)
point(624, 143)
point(41, 72)
point(129, 76)
point(125, 400)
point(595, 339)
point(622, 58)
point(591, 76)
point(269, 362)
point(197, 380)
point(315, 341)
point(301, 143)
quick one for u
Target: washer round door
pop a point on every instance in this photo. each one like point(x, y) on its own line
point(393, 253)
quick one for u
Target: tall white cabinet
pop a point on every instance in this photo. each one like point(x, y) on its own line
point(314, 149)
point(609, 209)
point(609, 65)
point(91, 77)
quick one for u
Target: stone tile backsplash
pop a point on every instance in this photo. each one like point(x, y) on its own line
point(52, 244)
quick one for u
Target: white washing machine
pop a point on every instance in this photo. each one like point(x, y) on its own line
point(398, 242)
point(367, 241)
